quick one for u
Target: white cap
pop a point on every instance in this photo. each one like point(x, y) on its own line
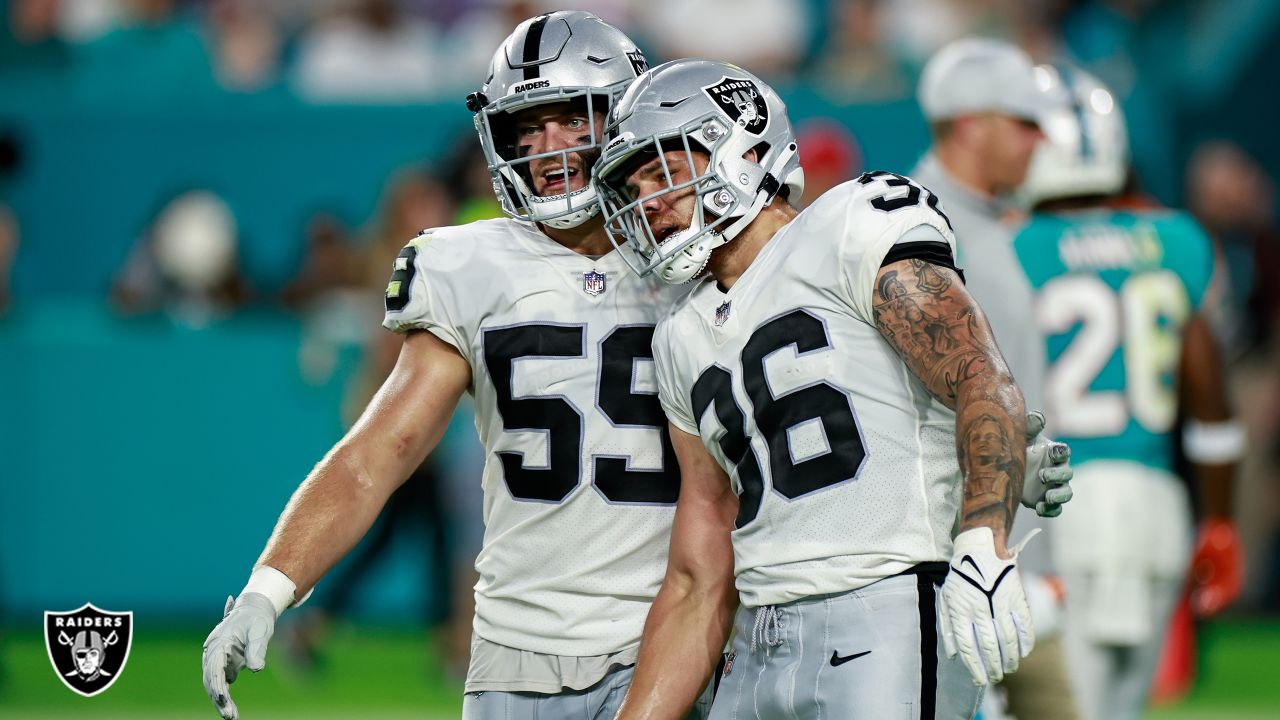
point(976, 75)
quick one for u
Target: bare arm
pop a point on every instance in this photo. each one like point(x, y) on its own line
point(339, 500)
point(690, 618)
point(1204, 397)
point(926, 314)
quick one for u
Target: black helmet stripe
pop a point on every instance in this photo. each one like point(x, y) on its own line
point(532, 40)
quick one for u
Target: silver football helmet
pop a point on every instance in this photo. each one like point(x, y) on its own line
point(566, 55)
point(696, 105)
point(1086, 145)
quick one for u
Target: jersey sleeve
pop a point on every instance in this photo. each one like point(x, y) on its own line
point(891, 217)
point(414, 296)
point(675, 402)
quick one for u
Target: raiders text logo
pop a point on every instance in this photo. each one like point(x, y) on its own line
point(742, 102)
point(638, 62)
point(88, 647)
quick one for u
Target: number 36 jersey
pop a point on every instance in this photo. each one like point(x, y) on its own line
point(844, 463)
point(580, 480)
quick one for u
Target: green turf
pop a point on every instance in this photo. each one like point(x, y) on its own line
point(379, 674)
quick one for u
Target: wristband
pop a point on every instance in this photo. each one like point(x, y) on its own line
point(1213, 443)
point(274, 585)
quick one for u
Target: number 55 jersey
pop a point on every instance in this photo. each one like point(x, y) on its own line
point(844, 463)
point(580, 480)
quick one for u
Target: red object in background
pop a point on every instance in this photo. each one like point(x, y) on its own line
point(1176, 672)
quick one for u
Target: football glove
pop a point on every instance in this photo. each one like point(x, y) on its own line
point(239, 641)
point(1217, 568)
point(1046, 487)
point(982, 609)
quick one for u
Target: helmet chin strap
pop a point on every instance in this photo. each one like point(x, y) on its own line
point(769, 187)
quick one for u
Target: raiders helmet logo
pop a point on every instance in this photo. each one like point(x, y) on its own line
point(88, 647)
point(638, 62)
point(742, 102)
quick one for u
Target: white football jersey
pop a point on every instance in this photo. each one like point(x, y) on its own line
point(844, 463)
point(579, 481)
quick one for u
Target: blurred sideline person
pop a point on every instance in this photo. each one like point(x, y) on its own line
point(819, 379)
point(984, 105)
point(542, 323)
point(1118, 293)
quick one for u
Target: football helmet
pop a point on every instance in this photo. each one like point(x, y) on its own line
point(559, 56)
point(714, 108)
point(1086, 146)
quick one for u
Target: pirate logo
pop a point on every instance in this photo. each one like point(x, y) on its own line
point(638, 62)
point(742, 102)
point(88, 647)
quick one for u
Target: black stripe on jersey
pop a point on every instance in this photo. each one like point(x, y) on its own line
point(930, 251)
point(532, 41)
point(928, 646)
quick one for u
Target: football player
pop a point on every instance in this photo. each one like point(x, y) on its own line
point(1119, 295)
point(540, 320)
point(820, 380)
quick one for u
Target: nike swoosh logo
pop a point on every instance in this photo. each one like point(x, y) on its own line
point(837, 661)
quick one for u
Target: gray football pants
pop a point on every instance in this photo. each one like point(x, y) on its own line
point(872, 653)
point(598, 702)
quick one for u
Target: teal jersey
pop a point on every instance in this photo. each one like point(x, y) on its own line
point(1112, 293)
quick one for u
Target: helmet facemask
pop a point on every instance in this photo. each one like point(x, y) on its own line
point(730, 190)
point(512, 172)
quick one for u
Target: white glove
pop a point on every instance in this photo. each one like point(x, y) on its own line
point(239, 641)
point(1046, 485)
point(982, 609)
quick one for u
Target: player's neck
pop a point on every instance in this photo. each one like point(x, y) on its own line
point(589, 238)
point(729, 261)
point(965, 167)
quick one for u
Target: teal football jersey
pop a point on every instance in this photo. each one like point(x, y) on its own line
point(1113, 291)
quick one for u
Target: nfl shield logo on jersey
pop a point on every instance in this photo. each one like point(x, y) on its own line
point(722, 313)
point(593, 283)
point(88, 647)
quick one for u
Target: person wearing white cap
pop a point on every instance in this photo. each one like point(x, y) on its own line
point(984, 103)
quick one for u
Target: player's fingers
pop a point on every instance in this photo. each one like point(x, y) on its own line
point(1035, 424)
point(215, 680)
point(255, 648)
point(1059, 495)
point(989, 647)
point(1059, 453)
point(1048, 510)
point(231, 603)
point(1056, 475)
point(971, 653)
point(1026, 634)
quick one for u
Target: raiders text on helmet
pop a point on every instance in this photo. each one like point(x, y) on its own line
point(712, 107)
point(557, 57)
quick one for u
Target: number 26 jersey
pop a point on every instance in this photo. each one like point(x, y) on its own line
point(844, 463)
point(580, 481)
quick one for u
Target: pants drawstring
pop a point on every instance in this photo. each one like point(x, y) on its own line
point(768, 628)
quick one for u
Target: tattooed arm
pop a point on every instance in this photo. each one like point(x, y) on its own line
point(937, 328)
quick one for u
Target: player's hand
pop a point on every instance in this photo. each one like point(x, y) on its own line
point(239, 641)
point(982, 608)
point(1217, 568)
point(1047, 484)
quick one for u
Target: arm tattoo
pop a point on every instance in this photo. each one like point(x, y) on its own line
point(941, 334)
